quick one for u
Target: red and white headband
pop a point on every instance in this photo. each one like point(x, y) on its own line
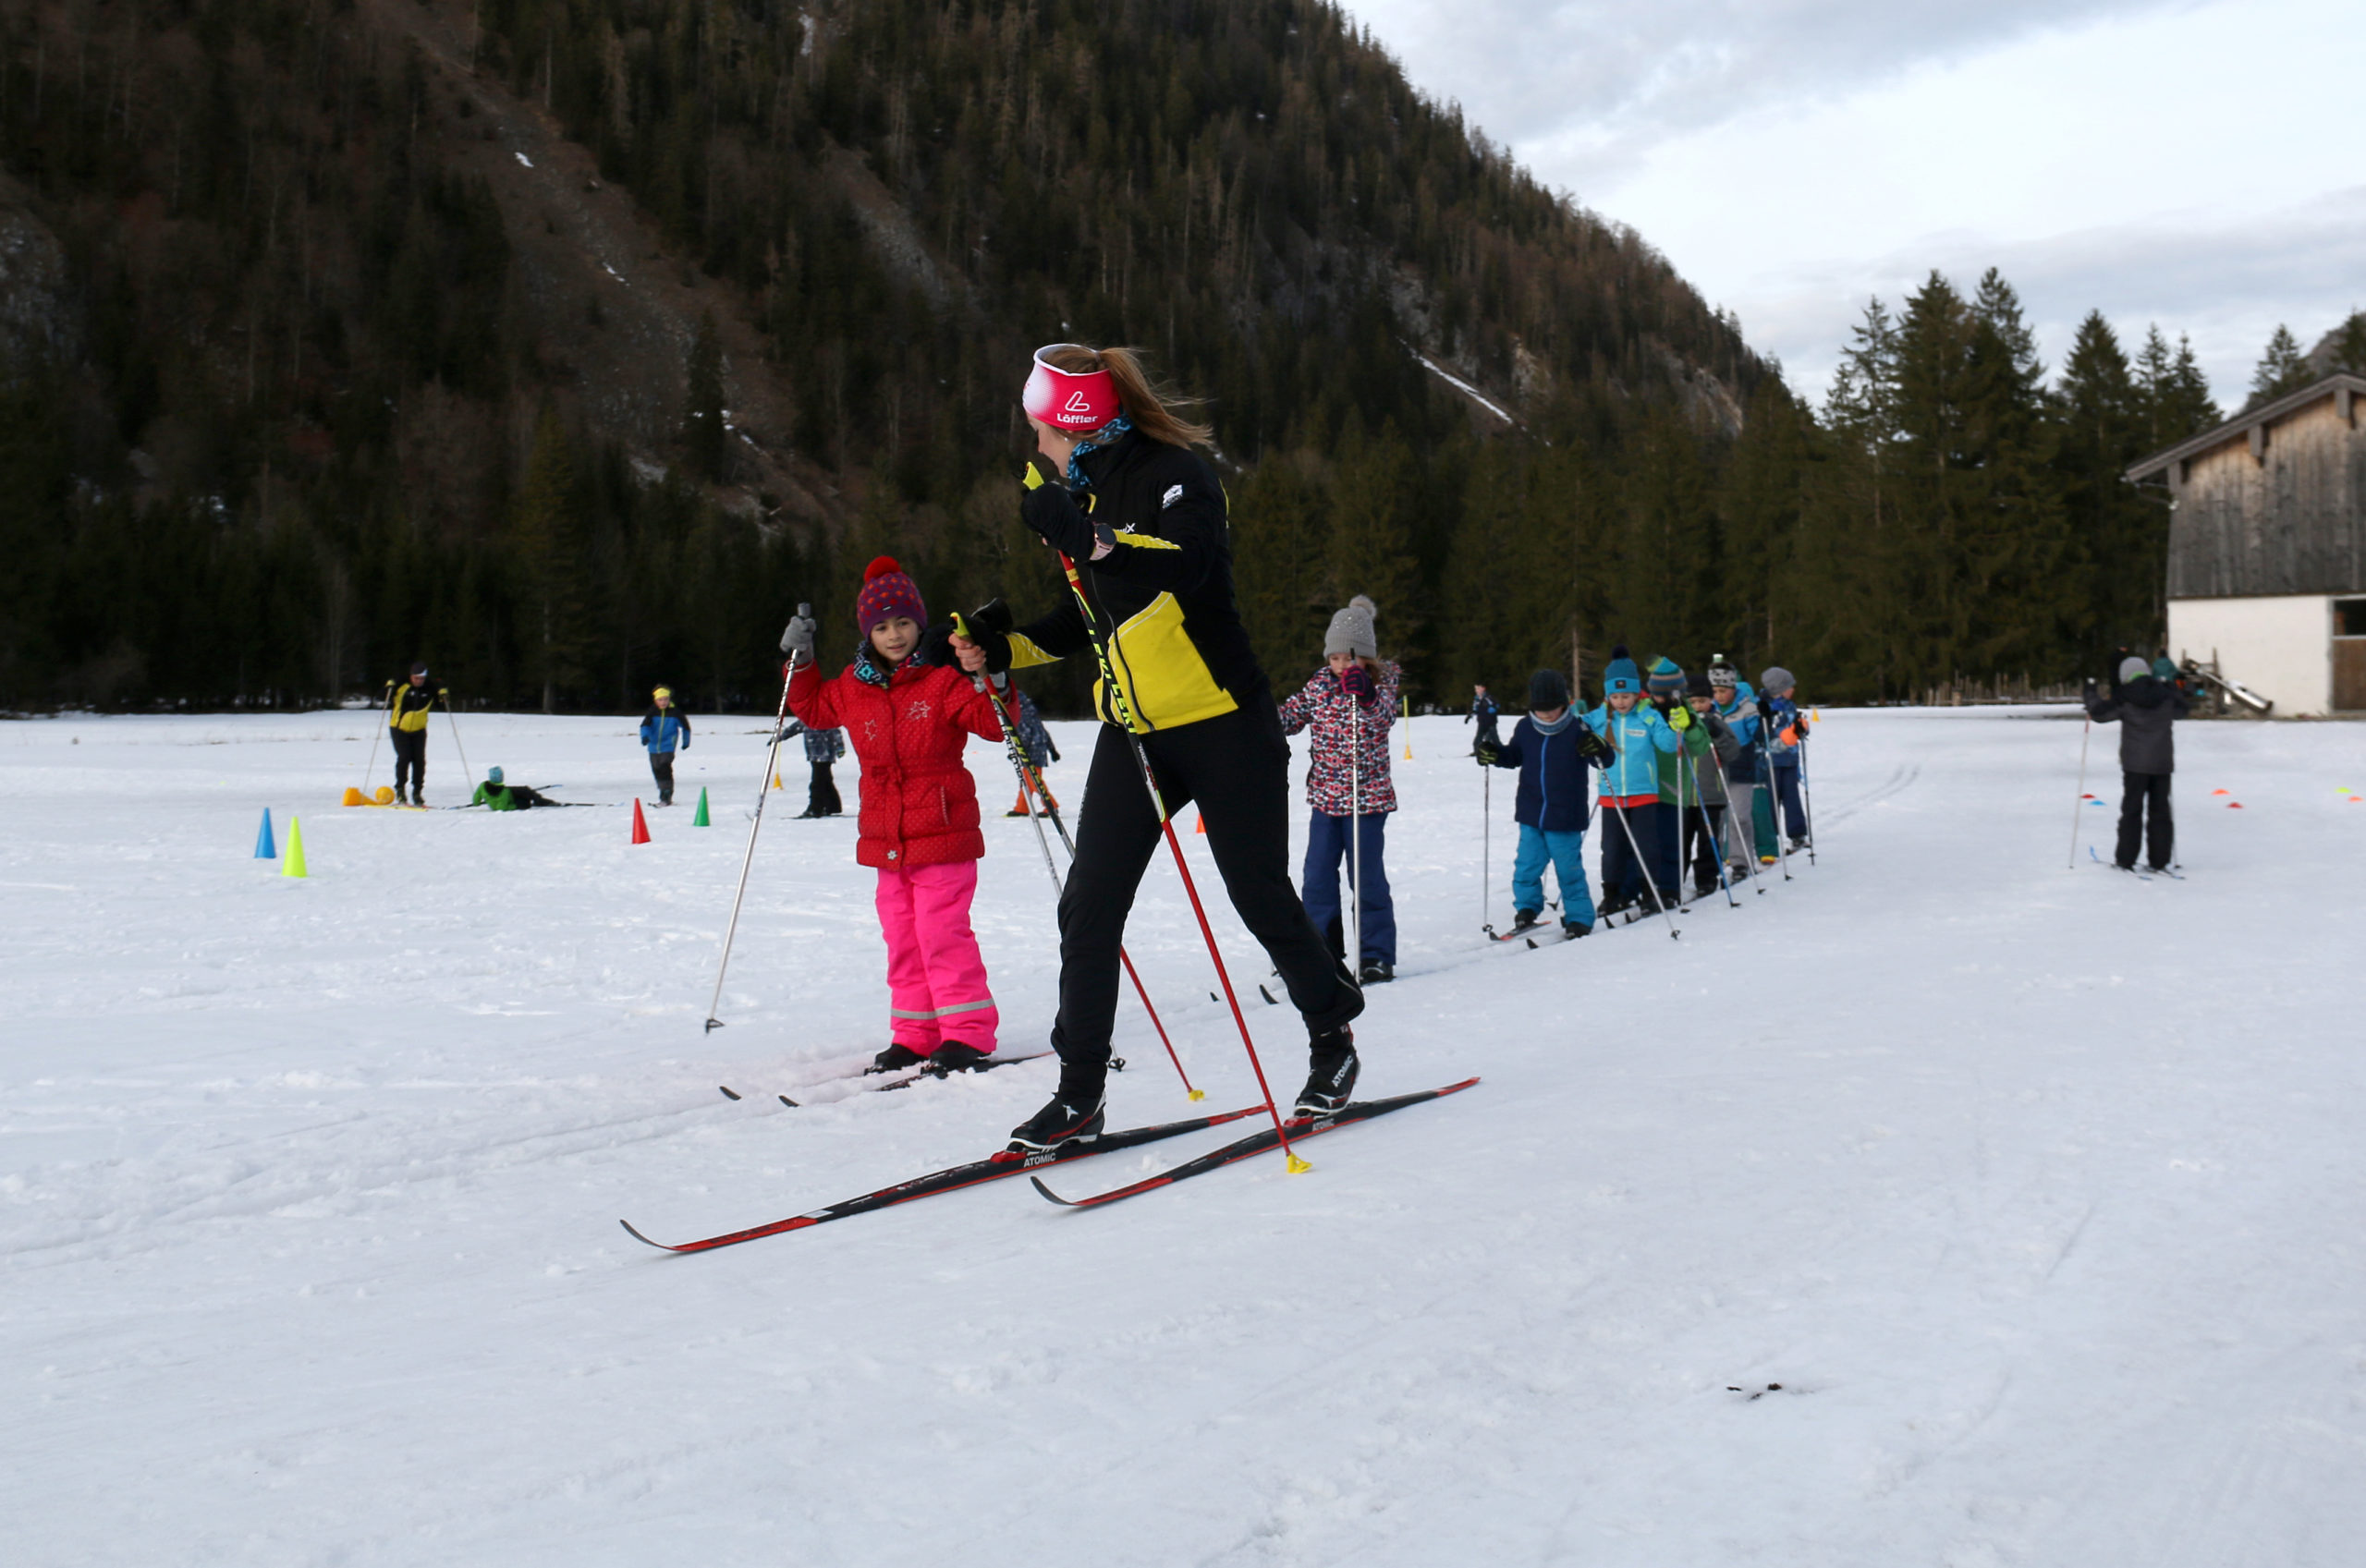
point(1070, 399)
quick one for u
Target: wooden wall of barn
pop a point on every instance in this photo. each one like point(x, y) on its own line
point(2289, 519)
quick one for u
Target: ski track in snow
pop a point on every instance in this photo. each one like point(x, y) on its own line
point(2038, 1190)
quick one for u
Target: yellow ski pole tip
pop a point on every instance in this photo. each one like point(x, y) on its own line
point(1299, 1167)
point(1198, 1094)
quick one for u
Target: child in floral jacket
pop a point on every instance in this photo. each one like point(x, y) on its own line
point(1350, 707)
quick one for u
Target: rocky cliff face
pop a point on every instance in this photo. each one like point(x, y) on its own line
point(38, 315)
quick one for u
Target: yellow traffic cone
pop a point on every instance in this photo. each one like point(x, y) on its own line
point(293, 866)
point(775, 781)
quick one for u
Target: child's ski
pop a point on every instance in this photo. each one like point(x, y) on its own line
point(869, 1082)
point(1257, 1143)
point(2145, 875)
point(954, 1178)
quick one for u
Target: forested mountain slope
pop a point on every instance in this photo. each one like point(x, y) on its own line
point(389, 328)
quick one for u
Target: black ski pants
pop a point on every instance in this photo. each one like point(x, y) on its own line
point(661, 767)
point(410, 760)
point(2159, 833)
point(822, 794)
point(1704, 828)
point(1630, 841)
point(1237, 767)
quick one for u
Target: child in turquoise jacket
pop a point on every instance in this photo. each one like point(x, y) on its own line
point(1630, 792)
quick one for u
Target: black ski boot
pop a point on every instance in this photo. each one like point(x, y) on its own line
point(1523, 918)
point(956, 1056)
point(1331, 1079)
point(894, 1059)
point(1061, 1122)
point(1573, 930)
point(1378, 973)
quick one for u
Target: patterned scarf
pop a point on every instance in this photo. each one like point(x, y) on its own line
point(1557, 725)
point(870, 670)
point(1106, 435)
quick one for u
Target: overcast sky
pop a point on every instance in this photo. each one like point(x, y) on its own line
point(2198, 164)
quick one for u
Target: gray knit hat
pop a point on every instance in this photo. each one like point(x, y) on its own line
point(1775, 678)
point(2134, 669)
point(1350, 630)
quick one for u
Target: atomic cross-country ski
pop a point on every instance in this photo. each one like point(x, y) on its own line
point(1257, 1143)
point(1010, 1162)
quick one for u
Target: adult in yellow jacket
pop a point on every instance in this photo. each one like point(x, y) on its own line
point(407, 706)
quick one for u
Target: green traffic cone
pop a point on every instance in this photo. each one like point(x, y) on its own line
point(700, 820)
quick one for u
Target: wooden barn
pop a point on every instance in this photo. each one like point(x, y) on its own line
point(2267, 547)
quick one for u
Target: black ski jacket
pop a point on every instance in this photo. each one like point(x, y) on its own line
point(2145, 710)
point(1180, 651)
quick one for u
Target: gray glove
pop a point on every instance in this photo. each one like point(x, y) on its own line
point(797, 641)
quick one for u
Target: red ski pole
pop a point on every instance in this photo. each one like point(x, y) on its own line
point(1123, 713)
point(1030, 776)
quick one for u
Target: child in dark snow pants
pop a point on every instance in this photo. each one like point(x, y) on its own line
point(2145, 708)
point(1636, 736)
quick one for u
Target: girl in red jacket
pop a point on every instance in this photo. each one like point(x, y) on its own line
point(908, 722)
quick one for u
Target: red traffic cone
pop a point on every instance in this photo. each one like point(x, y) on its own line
point(640, 823)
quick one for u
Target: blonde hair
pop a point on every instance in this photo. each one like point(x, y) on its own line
point(1152, 413)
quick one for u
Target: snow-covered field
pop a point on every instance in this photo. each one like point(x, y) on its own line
point(2040, 1193)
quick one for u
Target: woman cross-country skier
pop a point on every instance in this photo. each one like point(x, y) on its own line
point(918, 825)
point(1118, 488)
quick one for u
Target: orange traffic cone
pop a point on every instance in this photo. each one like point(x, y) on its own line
point(640, 823)
point(1203, 823)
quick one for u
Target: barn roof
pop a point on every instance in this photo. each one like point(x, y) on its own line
point(2244, 427)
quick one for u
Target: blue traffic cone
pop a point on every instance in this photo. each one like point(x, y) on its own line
point(265, 849)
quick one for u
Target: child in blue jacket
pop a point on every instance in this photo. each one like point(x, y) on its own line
point(1630, 782)
point(662, 729)
point(1551, 748)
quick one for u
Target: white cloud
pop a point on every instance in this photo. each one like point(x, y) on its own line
point(2194, 163)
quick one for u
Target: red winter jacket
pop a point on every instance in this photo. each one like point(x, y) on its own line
point(919, 805)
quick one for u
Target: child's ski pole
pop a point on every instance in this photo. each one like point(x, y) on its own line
point(771, 763)
point(2079, 803)
point(1355, 943)
point(373, 766)
point(1806, 802)
point(453, 726)
point(1486, 826)
point(1707, 825)
point(1030, 774)
point(1651, 884)
point(1737, 826)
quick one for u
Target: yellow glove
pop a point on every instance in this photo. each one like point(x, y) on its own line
point(1681, 720)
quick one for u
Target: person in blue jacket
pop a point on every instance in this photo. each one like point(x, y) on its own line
point(664, 729)
point(1551, 748)
point(1630, 782)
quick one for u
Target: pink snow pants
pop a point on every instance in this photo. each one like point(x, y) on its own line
point(937, 980)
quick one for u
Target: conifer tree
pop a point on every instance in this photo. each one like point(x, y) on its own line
point(2349, 345)
point(2119, 535)
point(548, 533)
point(2282, 369)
